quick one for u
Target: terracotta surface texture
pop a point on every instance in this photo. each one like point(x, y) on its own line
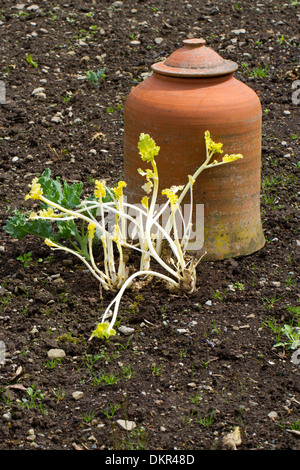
point(192, 91)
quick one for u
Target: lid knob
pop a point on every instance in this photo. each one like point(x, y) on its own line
point(194, 60)
point(194, 42)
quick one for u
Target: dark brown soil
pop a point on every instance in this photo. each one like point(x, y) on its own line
point(183, 390)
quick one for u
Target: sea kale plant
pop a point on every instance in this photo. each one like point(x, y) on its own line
point(62, 204)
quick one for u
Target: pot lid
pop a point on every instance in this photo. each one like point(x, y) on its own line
point(194, 59)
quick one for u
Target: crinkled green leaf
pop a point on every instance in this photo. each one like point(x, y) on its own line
point(66, 195)
point(19, 226)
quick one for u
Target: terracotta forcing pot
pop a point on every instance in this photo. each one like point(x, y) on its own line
point(192, 91)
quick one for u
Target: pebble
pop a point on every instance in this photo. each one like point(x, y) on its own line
point(38, 90)
point(77, 395)
point(126, 330)
point(238, 31)
point(56, 118)
point(273, 415)
point(181, 331)
point(276, 283)
point(7, 416)
point(158, 40)
point(82, 43)
point(32, 7)
point(34, 331)
point(56, 353)
point(31, 435)
point(128, 425)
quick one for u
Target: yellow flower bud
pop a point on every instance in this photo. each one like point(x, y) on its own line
point(100, 191)
point(36, 190)
point(119, 189)
point(231, 158)
point(47, 213)
point(211, 145)
point(49, 242)
point(103, 331)
point(91, 230)
point(170, 195)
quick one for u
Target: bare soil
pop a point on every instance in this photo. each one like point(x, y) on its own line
point(187, 389)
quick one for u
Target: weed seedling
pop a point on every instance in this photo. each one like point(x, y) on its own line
point(96, 77)
point(31, 61)
point(207, 420)
point(26, 259)
point(269, 303)
point(111, 410)
point(88, 417)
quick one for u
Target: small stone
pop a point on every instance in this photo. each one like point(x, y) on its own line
point(93, 152)
point(7, 416)
point(56, 119)
point(209, 303)
point(85, 59)
point(286, 112)
point(31, 435)
point(238, 31)
point(158, 40)
point(34, 331)
point(56, 353)
point(181, 331)
point(126, 330)
point(32, 7)
point(273, 415)
point(14, 159)
point(41, 96)
point(232, 440)
point(38, 90)
point(127, 425)
point(77, 395)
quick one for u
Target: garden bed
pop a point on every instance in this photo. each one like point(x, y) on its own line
point(193, 367)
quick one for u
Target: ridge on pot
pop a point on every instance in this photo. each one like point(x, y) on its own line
point(192, 91)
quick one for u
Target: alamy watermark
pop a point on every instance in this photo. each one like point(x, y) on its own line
point(136, 219)
point(296, 357)
point(2, 352)
point(2, 92)
point(296, 93)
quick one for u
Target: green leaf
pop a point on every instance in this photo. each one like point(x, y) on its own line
point(65, 195)
point(67, 228)
point(19, 226)
point(71, 195)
